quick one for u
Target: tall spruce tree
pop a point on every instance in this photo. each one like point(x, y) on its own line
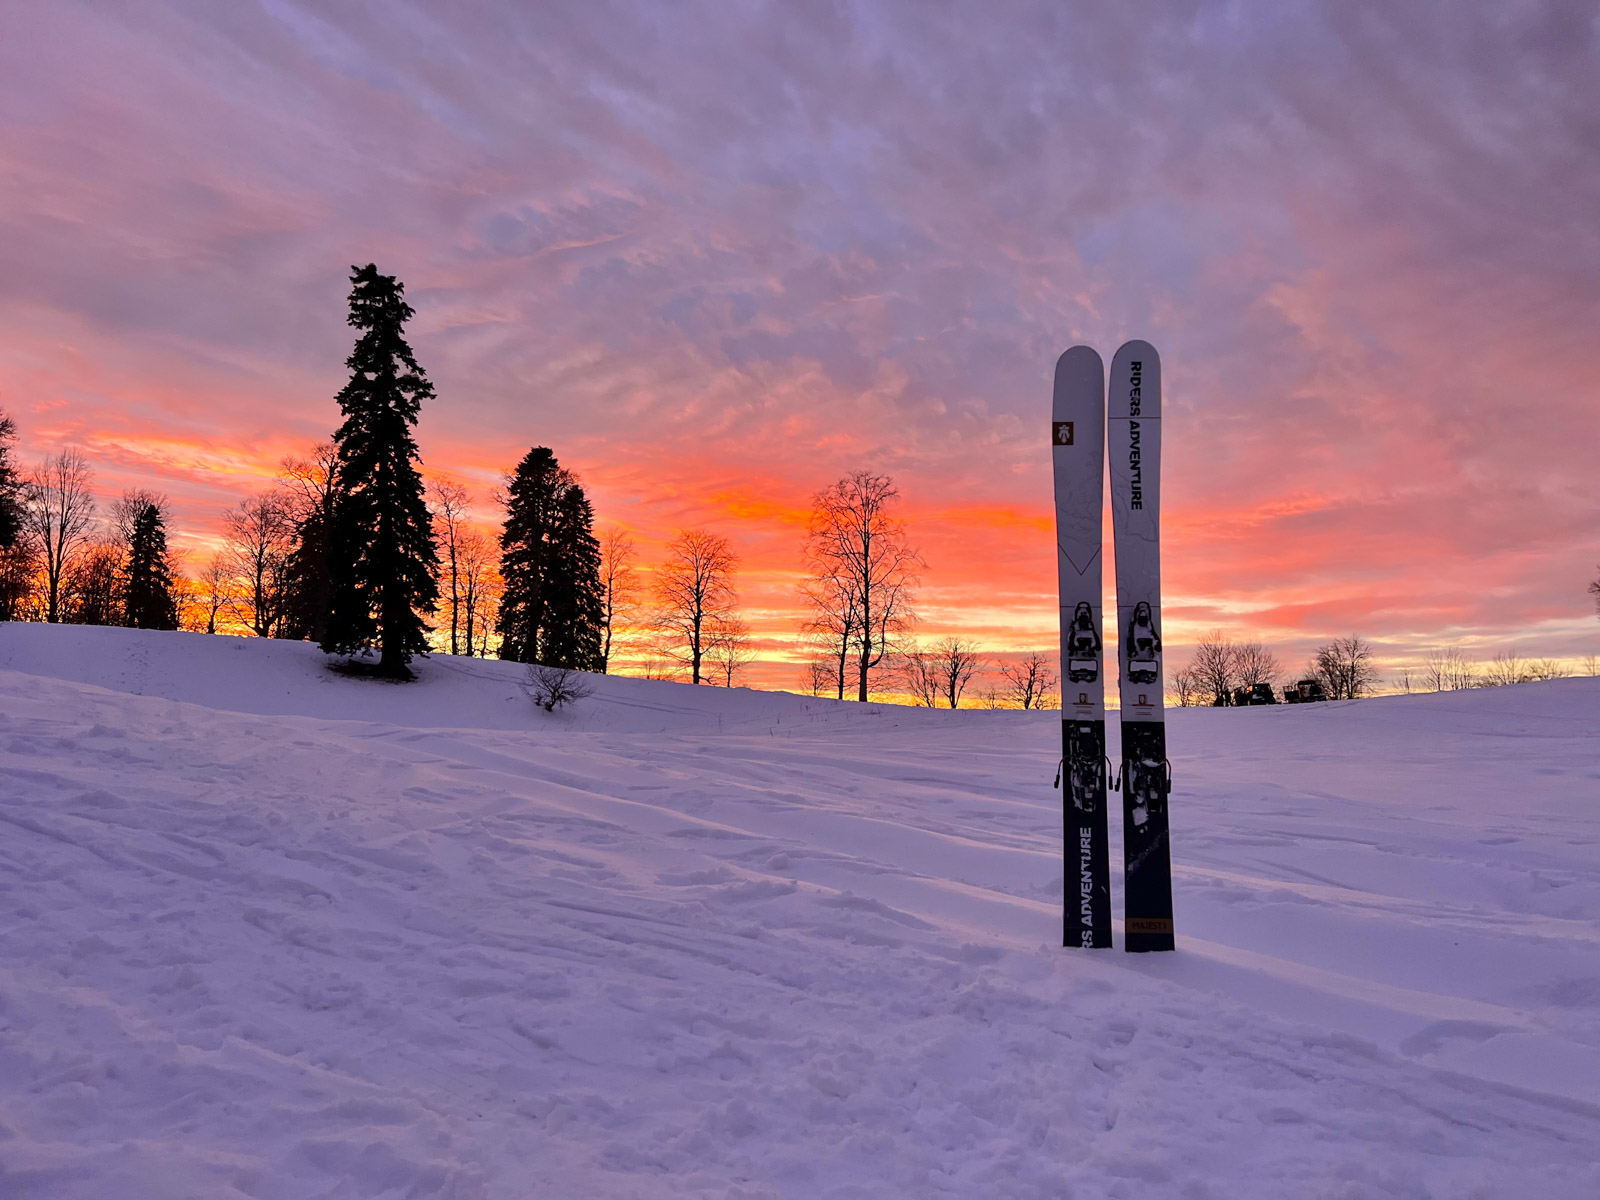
point(147, 598)
point(382, 562)
point(552, 607)
point(10, 487)
point(16, 552)
point(531, 495)
point(575, 610)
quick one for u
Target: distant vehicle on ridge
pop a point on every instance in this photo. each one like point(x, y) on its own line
point(1260, 693)
point(1306, 691)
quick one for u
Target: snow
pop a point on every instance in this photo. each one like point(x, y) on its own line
point(702, 942)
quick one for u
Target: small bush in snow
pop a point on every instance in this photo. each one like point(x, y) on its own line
point(553, 687)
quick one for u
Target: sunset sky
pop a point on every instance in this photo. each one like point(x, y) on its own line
point(717, 255)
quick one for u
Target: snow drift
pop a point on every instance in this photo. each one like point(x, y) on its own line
point(267, 931)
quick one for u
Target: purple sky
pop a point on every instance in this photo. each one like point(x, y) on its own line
point(717, 255)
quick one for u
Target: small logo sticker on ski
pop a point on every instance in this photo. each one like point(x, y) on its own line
point(1149, 925)
point(1062, 433)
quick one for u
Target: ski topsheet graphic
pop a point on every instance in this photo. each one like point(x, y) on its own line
point(1133, 432)
point(1078, 437)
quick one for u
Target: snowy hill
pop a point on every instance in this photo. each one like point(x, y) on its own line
point(266, 931)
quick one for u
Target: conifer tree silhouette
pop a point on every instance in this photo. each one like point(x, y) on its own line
point(382, 561)
point(575, 608)
point(10, 487)
point(553, 607)
point(148, 601)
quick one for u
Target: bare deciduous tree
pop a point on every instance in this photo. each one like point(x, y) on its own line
point(478, 573)
point(1253, 663)
point(1184, 688)
point(1503, 669)
point(1028, 680)
point(1548, 668)
point(259, 535)
point(307, 484)
point(126, 511)
point(1212, 668)
point(730, 651)
point(189, 602)
point(819, 676)
point(1449, 670)
point(1345, 668)
point(1506, 667)
point(57, 511)
point(487, 599)
point(555, 687)
point(91, 590)
point(958, 663)
point(1590, 664)
point(941, 672)
point(830, 624)
point(619, 586)
point(1221, 667)
point(694, 595)
point(20, 565)
point(450, 500)
point(863, 570)
point(215, 584)
point(919, 676)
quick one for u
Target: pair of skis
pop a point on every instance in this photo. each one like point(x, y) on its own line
point(1083, 426)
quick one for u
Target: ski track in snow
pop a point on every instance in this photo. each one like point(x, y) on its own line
point(689, 942)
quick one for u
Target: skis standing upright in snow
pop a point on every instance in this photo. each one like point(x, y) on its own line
point(1133, 428)
point(1078, 436)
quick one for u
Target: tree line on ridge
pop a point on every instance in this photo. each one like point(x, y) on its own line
point(353, 549)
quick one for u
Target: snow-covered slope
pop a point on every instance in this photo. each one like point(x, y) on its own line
point(270, 932)
point(273, 678)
